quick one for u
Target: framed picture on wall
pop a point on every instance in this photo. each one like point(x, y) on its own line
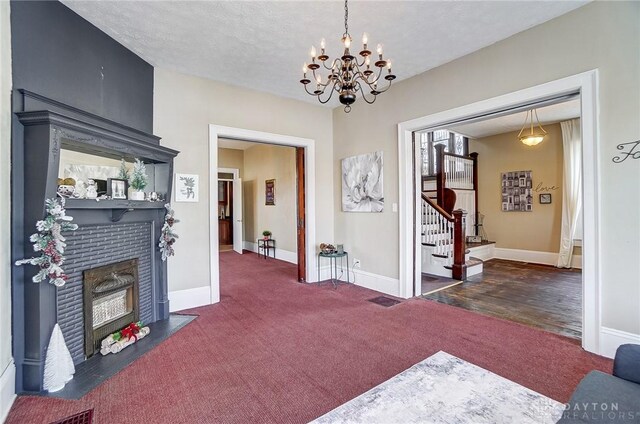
point(270, 192)
point(187, 188)
point(517, 191)
point(545, 198)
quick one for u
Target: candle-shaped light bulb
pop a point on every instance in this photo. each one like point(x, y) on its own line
point(313, 52)
point(347, 42)
point(367, 61)
point(365, 38)
point(319, 79)
point(389, 64)
point(305, 68)
point(322, 44)
point(379, 49)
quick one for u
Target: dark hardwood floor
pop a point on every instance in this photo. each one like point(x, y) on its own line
point(540, 296)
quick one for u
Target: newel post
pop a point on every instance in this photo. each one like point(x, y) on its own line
point(459, 268)
point(474, 157)
point(440, 177)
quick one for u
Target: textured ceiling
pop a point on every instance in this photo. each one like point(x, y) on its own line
point(514, 122)
point(263, 44)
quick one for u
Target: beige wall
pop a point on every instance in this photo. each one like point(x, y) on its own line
point(264, 162)
point(600, 35)
point(231, 158)
point(184, 106)
point(5, 208)
point(539, 229)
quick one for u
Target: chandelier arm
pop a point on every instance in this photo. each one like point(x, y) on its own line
point(335, 61)
point(315, 79)
point(328, 98)
point(364, 96)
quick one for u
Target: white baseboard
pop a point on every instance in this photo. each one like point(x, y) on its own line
point(283, 255)
point(7, 390)
point(379, 283)
point(611, 339)
point(545, 258)
point(484, 252)
point(189, 298)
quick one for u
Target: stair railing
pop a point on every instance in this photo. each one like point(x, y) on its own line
point(446, 233)
point(456, 172)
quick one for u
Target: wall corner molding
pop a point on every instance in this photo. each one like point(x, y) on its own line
point(7, 389)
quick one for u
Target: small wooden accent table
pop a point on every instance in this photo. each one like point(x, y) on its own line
point(266, 245)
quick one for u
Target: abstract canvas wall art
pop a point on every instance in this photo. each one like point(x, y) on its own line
point(362, 188)
point(517, 191)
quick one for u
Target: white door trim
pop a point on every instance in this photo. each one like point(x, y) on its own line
point(587, 84)
point(234, 171)
point(216, 132)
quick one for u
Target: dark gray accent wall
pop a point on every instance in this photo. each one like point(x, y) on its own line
point(92, 246)
point(59, 55)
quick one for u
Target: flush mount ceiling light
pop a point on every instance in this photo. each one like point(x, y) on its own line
point(532, 137)
point(349, 75)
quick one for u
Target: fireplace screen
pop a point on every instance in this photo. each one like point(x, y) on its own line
point(110, 301)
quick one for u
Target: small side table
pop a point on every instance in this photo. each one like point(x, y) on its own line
point(333, 265)
point(266, 245)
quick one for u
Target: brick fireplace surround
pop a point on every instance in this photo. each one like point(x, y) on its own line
point(109, 231)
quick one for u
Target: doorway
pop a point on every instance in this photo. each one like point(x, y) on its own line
point(305, 198)
point(585, 85)
point(230, 210)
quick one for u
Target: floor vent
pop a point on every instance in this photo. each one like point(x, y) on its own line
point(84, 417)
point(384, 301)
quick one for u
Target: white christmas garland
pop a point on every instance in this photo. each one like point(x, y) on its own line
point(50, 242)
point(168, 236)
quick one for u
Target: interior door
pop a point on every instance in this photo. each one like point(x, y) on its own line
point(237, 215)
point(301, 224)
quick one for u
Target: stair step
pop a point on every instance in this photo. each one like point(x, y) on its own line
point(470, 262)
point(440, 256)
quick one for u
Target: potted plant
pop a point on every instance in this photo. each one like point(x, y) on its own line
point(266, 234)
point(138, 180)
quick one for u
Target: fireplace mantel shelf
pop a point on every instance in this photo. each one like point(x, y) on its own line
point(112, 204)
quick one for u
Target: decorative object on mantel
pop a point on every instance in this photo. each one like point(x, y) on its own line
point(266, 234)
point(362, 185)
point(631, 149)
point(168, 236)
point(327, 248)
point(187, 187)
point(532, 137)
point(517, 189)
point(92, 190)
point(117, 188)
point(270, 192)
point(50, 242)
point(58, 365)
point(117, 341)
point(138, 180)
point(123, 173)
point(347, 75)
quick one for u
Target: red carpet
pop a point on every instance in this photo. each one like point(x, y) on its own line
point(274, 350)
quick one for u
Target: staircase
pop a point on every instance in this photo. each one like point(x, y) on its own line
point(444, 251)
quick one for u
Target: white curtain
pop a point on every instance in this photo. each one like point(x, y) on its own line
point(571, 189)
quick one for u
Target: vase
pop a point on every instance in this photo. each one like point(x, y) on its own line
point(136, 195)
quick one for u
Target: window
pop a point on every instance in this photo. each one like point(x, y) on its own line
point(454, 143)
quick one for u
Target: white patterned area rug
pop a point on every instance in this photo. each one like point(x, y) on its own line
point(446, 389)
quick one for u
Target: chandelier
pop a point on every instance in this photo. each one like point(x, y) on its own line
point(532, 137)
point(349, 75)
